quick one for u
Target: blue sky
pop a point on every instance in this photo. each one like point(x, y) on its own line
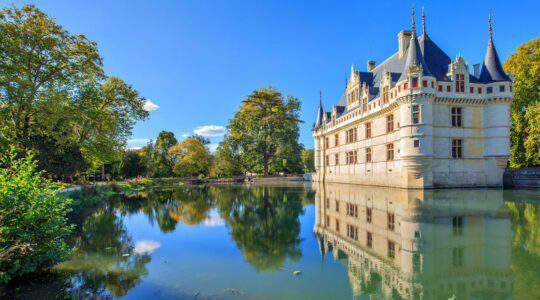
point(196, 60)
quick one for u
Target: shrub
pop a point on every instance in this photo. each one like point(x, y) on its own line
point(32, 215)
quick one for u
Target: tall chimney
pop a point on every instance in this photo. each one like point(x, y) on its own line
point(404, 37)
point(370, 65)
point(477, 70)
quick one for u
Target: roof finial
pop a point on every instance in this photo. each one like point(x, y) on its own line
point(413, 27)
point(490, 30)
point(320, 96)
point(423, 22)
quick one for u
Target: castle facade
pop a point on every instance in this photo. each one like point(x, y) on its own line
point(418, 120)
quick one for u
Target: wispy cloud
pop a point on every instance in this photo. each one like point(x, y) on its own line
point(150, 106)
point(210, 130)
point(185, 135)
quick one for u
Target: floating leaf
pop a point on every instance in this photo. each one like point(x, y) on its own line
point(297, 272)
point(126, 255)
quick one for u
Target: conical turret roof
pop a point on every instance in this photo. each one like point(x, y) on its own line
point(492, 69)
point(320, 113)
point(414, 55)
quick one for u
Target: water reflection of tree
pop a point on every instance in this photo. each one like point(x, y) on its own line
point(525, 262)
point(103, 264)
point(263, 222)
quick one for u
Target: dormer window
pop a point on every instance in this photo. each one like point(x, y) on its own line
point(424, 83)
point(385, 94)
point(415, 82)
point(501, 88)
point(460, 83)
point(364, 104)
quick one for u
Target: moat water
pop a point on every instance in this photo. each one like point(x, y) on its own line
point(300, 241)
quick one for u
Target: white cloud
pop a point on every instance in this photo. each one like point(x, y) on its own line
point(150, 106)
point(138, 141)
point(185, 135)
point(210, 130)
point(146, 246)
point(133, 148)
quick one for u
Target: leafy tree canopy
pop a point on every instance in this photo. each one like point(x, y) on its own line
point(54, 91)
point(264, 132)
point(525, 112)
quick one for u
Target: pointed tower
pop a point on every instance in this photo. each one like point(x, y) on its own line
point(320, 112)
point(414, 56)
point(492, 69)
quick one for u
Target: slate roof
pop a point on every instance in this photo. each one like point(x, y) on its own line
point(421, 51)
point(492, 69)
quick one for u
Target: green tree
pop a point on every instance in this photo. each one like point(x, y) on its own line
point(308, 160)
point(147, 158)
point(163, 163)
point(32, 214)
point(227, 162)
point(204, 140)
point(53, 90)
point(524, 112)
point(132, 164)
point(191, 158)
point(264, 132)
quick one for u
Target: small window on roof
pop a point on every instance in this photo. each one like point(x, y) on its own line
point(440, 88)
point(490, 90)
point(501, 88)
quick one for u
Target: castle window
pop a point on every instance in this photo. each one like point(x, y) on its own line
point(352, 210)
point(457, 257)
point(337, 206)
point(415, 82)
point(336, 139)
point(368, 154)
point(406, 86)
point(389, 123)
point(369, 239)
point(327, 160)
point(390, 152)
point(355, 135)
point(424, 83)
point(368, 130)
point(391, 249)
point(456, 116)
point(336, 157)
point(448, 88)
point(415, 114)
point(399, 88)
point(326, 143)
point(337, 225)
point(479, 90)
point(471, 90)
point(511, 88)
point(385, 94)
point(391, 224)
point(490, 90)
point(440, 88)
point(457, 151)
point(352, 232)
point(501, 88)
point(368, 214)
point(457, 225)
point(432, 85)
point(460, 83)
point(351, 157)
point(364, 104)
point(416, 143)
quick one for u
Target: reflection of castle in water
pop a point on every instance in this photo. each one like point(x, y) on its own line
point(417, 244)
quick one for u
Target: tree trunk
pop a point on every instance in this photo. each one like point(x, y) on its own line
point(102, 172)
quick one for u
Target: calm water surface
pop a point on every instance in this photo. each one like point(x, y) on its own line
point(300, 241)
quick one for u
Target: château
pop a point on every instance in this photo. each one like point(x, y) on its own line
point(418, 120)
